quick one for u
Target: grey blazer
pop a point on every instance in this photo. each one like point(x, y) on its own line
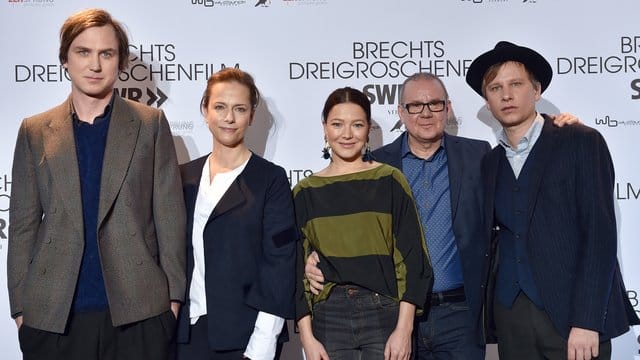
point(141, 218)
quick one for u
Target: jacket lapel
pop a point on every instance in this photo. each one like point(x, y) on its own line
point(544, 147)
point(191, 184)
point(492, 161)
point(121, 142)
point(235, 195)
point(452, 146)
point(393, 153)
point(61, 157)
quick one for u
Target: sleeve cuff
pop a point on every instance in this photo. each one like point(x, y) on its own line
point(263, 341)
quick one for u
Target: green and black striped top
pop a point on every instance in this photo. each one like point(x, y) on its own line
point(366, 230)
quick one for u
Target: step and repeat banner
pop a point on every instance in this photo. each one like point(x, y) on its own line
point(300, 50)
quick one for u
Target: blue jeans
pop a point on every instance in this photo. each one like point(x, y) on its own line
point(447, 333)
point(354, 323)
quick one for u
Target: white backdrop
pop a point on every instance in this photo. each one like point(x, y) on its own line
point(300, 50)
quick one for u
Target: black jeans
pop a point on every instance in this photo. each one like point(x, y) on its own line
point(354, 323)
point(198, 346)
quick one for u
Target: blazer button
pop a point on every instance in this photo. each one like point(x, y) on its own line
point(43, 271)
point(47, 240)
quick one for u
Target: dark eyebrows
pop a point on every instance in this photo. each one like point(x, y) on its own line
point(84, 48)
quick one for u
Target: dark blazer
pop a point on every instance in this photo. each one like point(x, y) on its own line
point(464, 157)
point(249, 251)
point(141, 221)
point(572, 241)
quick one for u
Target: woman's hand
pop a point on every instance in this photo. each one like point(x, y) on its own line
point(313, 349)
point(398, 345)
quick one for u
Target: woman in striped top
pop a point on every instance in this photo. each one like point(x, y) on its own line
point(359, 216)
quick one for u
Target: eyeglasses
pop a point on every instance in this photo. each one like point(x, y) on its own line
point(433, 106)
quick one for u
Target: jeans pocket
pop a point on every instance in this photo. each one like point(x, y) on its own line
point(459, 306)
point(386, 302)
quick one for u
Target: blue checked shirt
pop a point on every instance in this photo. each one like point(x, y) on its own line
point(429, 181)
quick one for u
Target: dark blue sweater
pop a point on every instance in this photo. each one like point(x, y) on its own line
point(91, 141)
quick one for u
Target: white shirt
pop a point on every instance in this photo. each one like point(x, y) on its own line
point(262, 344)
point(518, 156)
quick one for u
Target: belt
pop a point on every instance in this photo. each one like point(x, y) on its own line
point(449, 296)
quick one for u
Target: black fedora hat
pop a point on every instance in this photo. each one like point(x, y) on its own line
point(506, 51)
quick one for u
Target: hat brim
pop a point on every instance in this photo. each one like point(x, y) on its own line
point(503, 52)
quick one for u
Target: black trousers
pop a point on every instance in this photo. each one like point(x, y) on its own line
point(198, 346)
point(527, 333)
point(92, 336)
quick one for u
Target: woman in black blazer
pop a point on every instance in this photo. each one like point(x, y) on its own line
point(241, 235)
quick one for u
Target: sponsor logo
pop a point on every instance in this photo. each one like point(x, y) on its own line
point(217, 3)
point(181, 126)
point(627, 191)
point(611, 121)
point(635, 87)
point(5, 184)
point(151, 66)
point(151, 97)
point(33, 3)
point(633, 298)
point(5, 190)
point(263, 3)
point(499, 1)
point(4, 228)
point(382, 94)
point(304, 2)
point(625, 61)
point(383, 60)
point(295, 175)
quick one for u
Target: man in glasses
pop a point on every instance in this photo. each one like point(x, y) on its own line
point(443, 171)
point(548, 193)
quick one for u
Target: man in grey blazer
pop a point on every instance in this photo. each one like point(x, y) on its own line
point(96, 258)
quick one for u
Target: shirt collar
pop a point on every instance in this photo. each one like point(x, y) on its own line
point(527, 140)
point(106, 114)
point(406, 151)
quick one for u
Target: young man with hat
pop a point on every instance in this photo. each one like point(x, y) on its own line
point(549, 198)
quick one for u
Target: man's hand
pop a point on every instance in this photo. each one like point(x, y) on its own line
point(313, 274)
point(175, 308)
point(563, 119)
point(19, 321)
point(583, 344)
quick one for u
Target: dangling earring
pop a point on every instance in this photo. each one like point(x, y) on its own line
point(325, 150)
point(367, 156)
